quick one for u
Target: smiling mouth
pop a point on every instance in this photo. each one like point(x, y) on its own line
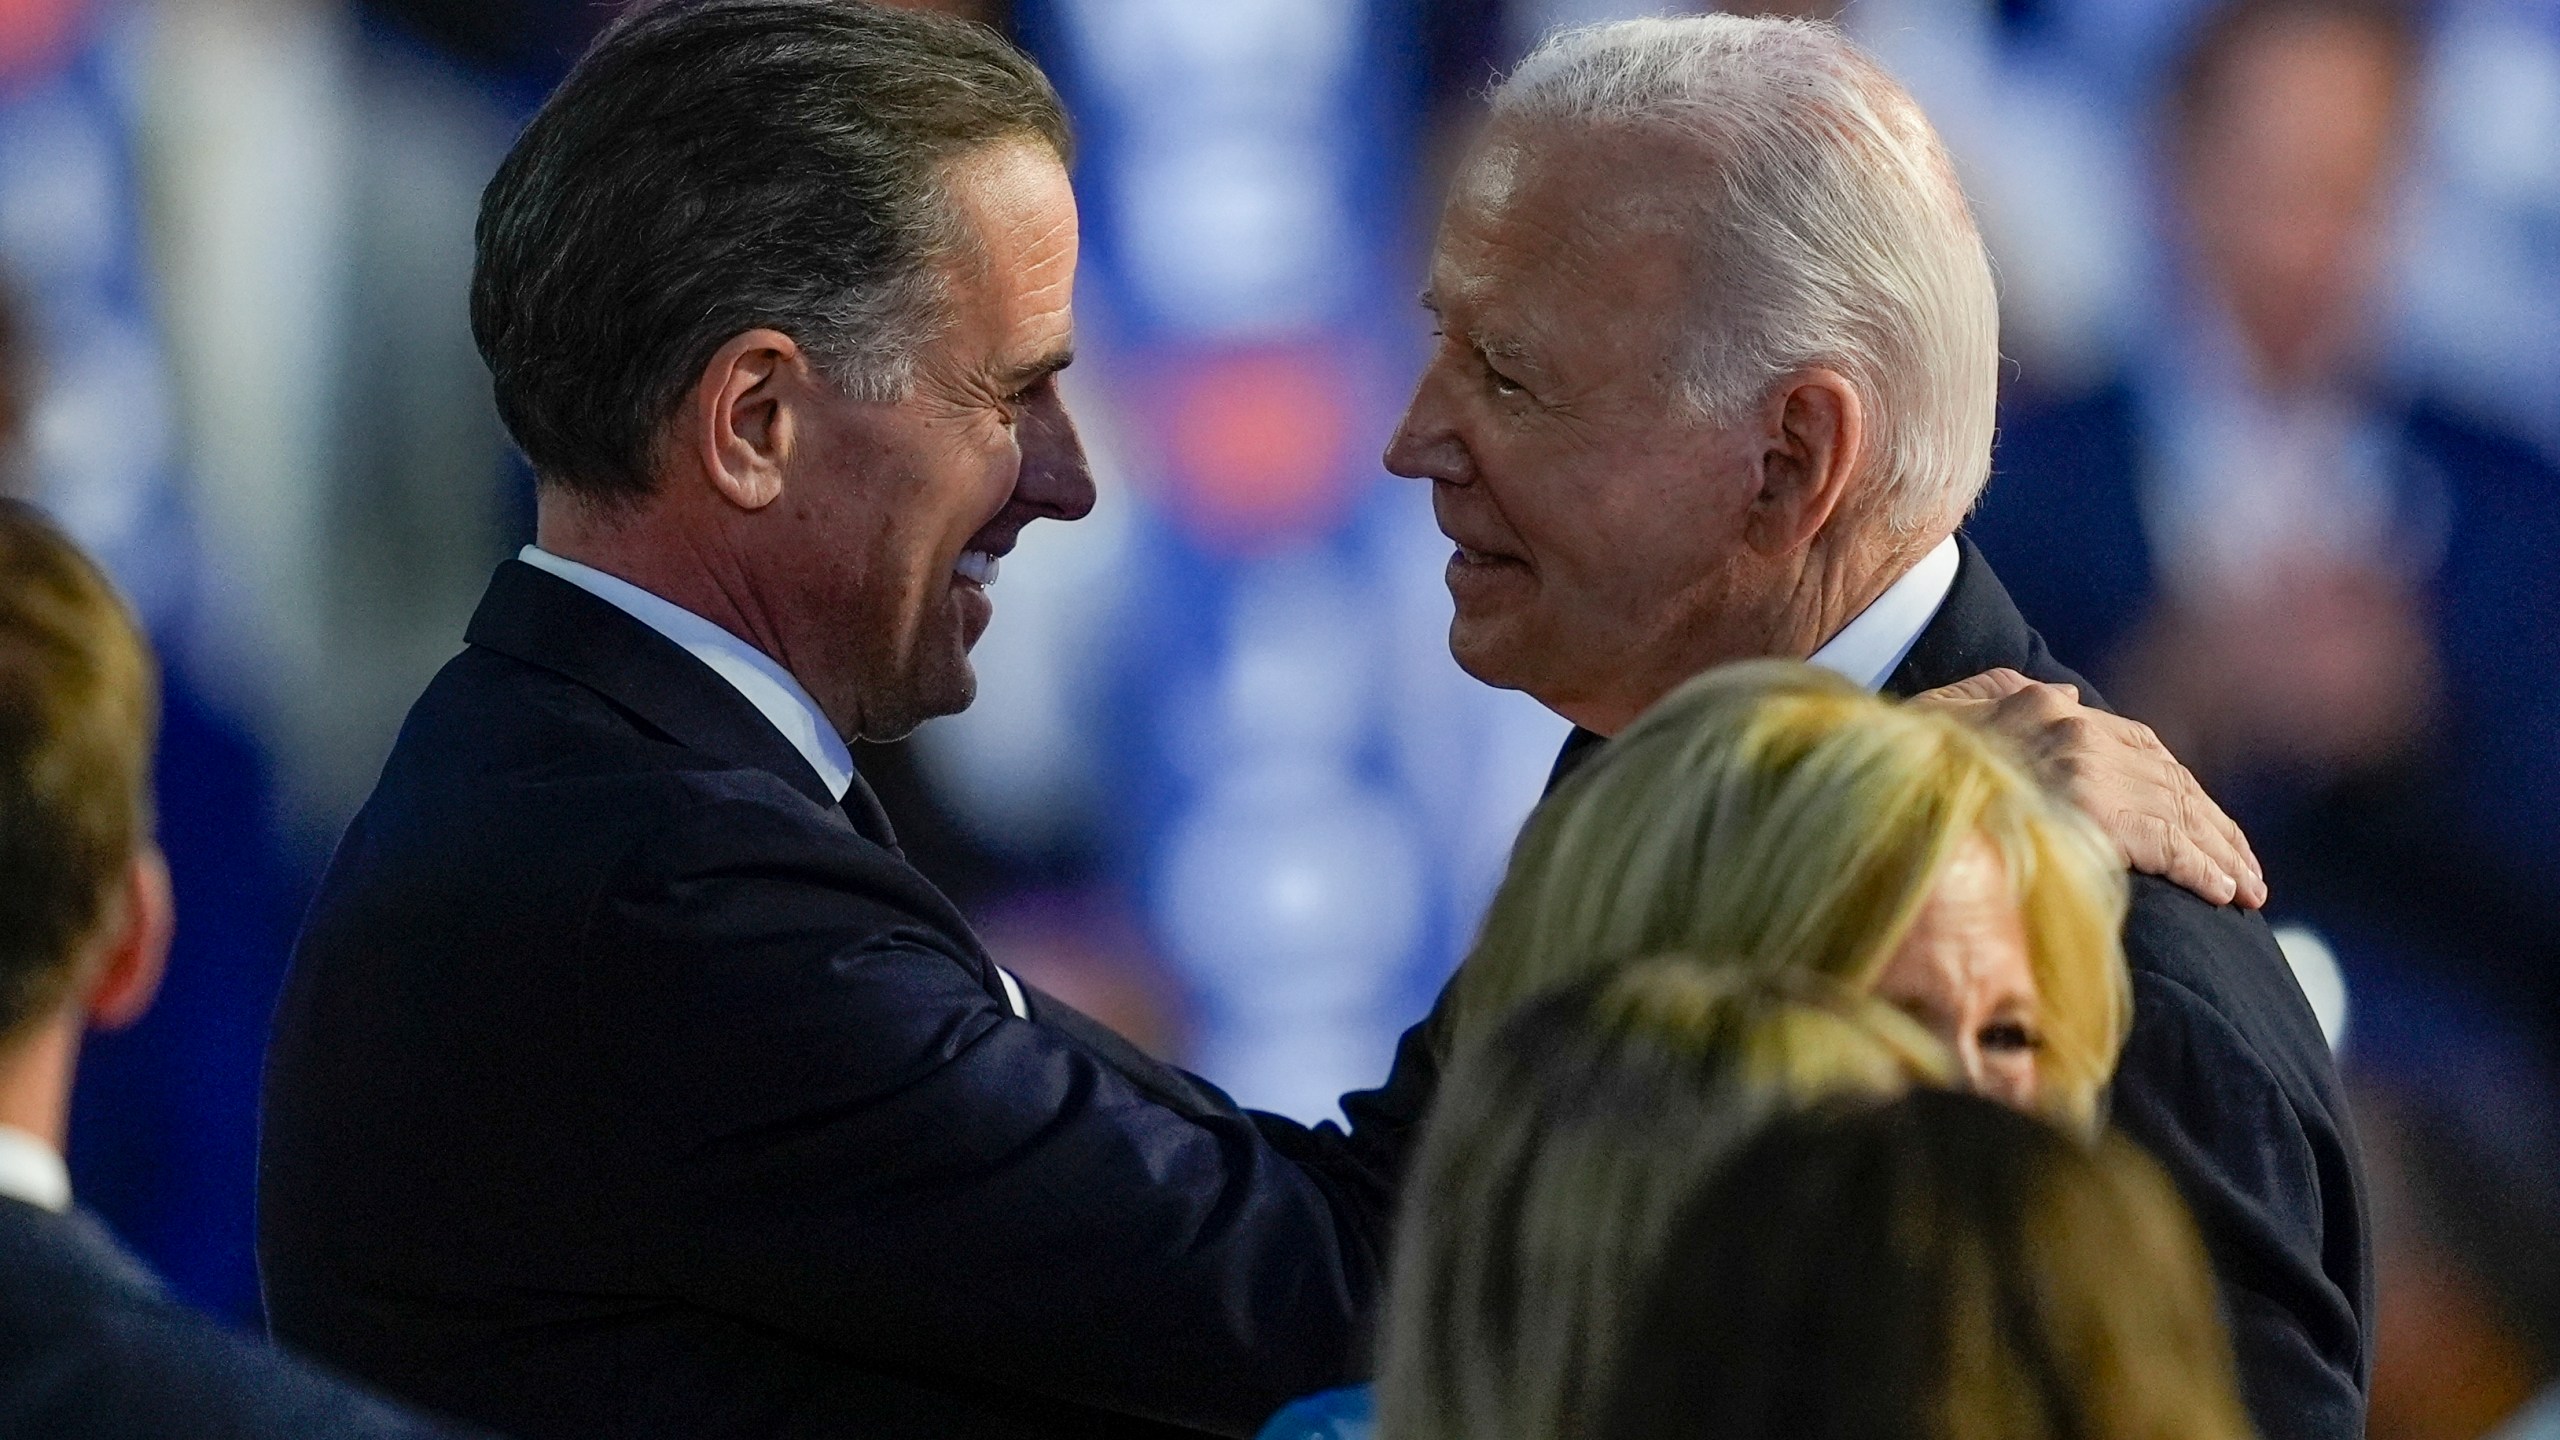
point(978, 567)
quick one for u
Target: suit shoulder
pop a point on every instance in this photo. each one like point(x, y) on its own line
point(102, 1360)
point(2223, 963)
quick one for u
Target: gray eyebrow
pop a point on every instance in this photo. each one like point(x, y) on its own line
point(1031, 371)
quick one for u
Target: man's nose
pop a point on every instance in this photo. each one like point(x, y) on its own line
point(1426, 445)
point(1056, 481)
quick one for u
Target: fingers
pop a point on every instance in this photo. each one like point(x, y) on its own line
point(2160, 818)
point(2155, 844)
point(2203, 824)
point(2223, 841)
point(2193, 865)
point(2168, 826)
point(1989, 685)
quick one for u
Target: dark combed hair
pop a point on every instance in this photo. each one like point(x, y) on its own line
point(1935, 1268)
point(79, 707)
point(715, 166)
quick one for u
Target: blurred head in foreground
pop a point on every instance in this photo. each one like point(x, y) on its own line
point(1938, 1268)
point(1558, 1154)
point(84, 895)
point(1776, 818)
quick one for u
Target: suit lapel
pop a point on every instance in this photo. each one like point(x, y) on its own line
point(870, 819)
point(1977, 629)
point(541, 619)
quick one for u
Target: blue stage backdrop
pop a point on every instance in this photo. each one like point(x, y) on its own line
point(1308, 796)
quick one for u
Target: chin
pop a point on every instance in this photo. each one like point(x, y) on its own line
point(892, 712)
point(949, 688)
point(1487, 653)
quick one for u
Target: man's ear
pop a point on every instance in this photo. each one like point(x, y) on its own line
point(1816, 429)
point(744, 418)
point(135, 949)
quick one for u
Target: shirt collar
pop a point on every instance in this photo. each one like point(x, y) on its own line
point(32, 1171)
point(765, 684)
point(1869, 647)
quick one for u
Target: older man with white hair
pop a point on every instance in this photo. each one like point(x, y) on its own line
point(1715, 379)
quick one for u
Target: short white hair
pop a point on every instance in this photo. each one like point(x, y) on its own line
point(1836, 234)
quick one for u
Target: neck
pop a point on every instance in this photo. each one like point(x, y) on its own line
point(35, 1081)
point(680, 559)
point(1796, 610)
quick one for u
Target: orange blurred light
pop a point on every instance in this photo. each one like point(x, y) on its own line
point(1254, 444)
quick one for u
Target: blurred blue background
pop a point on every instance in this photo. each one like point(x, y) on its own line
point(1223, 786)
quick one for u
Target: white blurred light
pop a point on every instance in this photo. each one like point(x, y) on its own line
point(1262, 60)
point(2496, 106)
point(101, 429)
point(1235, 236)
point(2315, 968)
point(1294, 896)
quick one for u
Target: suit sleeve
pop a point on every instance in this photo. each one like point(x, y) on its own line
point(2270, 1186)
point(1386, 1123)
point(845, 1137)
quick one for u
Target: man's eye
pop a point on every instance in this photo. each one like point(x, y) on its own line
point(2010, 1035)
point(1504, 384)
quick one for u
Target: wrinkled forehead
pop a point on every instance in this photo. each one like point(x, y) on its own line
point(1572, 215)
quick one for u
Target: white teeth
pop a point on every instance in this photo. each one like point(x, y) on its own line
point(977, 567)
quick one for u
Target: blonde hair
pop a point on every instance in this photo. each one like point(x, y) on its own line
point(1558, 1154)
point(79, 708)
point(1778, 818)
point(1938, 1267)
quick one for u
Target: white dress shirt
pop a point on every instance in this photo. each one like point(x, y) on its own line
point(753, 673)
point(32, 1171)
point(1869, 647)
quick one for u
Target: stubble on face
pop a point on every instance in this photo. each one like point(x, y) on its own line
point(1597, 519)
point(892, 495)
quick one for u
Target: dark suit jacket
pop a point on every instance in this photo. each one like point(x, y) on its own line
point(626, 1085)
point(2226, 1080)
point(91, 1350)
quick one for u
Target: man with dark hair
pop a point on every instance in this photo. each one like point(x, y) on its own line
point(89, 1346)
point(628, 1081)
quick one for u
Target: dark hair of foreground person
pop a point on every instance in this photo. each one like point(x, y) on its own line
point(1939, 1266)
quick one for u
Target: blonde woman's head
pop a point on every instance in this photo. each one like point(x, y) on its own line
point(1557, 1154)
point(1778, 818)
